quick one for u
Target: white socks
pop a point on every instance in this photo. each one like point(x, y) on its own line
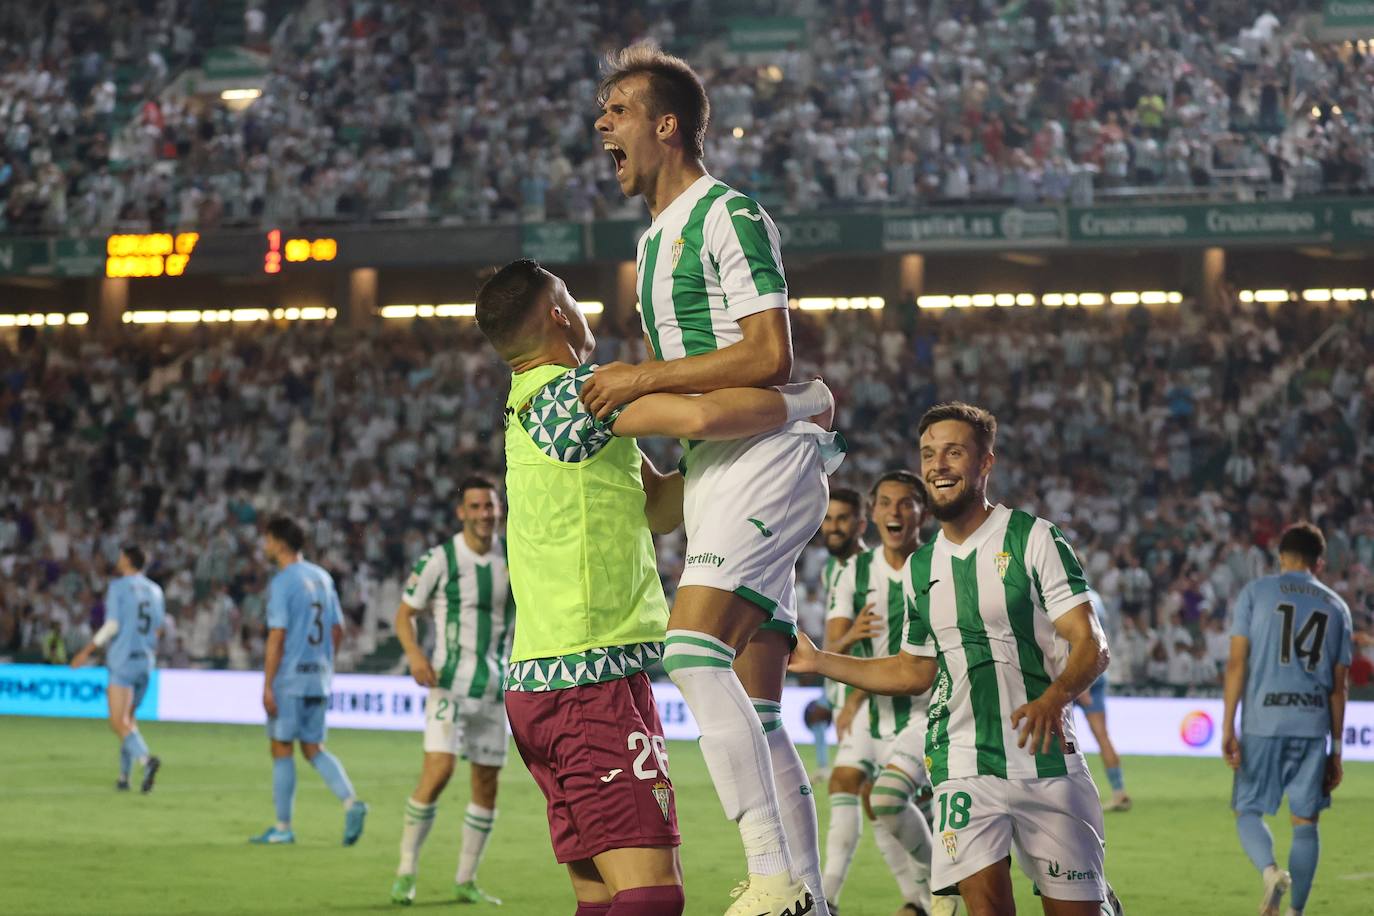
point(419, 819)
point(841, 841)
point(896, 817)
point(477, 824)
point(732, 744)
point(796, 802)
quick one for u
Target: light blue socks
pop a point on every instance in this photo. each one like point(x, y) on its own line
point(332, 772)
point(1302, 862)
point(1256, 840)
point(284, 788)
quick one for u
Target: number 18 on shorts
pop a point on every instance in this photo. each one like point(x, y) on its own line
point(1053, 825)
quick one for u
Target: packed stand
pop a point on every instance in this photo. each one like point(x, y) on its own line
point(1171, 447)
point(402, 110)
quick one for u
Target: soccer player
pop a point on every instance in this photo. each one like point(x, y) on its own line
point(842, 532)
point(1290, 653)
point(867, 619)
point(1000, 625)
point(714, 307)
point(592, 613)
point(134, 609)
point(464, 584)
point(1094, 704)
point(304, 628)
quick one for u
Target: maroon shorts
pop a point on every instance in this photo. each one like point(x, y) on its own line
point(598, 755)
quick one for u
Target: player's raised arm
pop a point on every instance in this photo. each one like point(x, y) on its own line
point(730, 413)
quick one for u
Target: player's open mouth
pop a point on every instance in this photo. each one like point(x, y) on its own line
point(617, 156)
point(944, 483)
point(894, 528)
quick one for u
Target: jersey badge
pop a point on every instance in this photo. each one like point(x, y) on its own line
point(677, 250)
point(1003, 564)
point(663, 793)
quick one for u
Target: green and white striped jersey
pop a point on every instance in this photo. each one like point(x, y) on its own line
point(985, 610)
point(474, 614)
point(868, 578)
point(835, 692)
point(711, 258)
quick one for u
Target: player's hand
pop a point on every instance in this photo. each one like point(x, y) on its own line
point(269, 702)
point(1041, 722)
point(423, 672)
point(865, 626)
point(1230, 749)
point(1334, 774)
point(613, 385)
point(805, 656)
point(79, 659)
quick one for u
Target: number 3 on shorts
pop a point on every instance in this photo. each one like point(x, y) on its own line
point(954, 810)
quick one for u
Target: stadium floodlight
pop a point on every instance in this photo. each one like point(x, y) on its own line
point(313, 313)
point(933, 302)
point(78, 318)
point(984, 300)
point(1125, 298)
point(1091, 299)
point(1271, 295)
point(1005, 300)
point(183, 316)
point(249, 315)
point(240, 95)
point(1175, 298)
point(1316, 295)
point(1052, 300)
point(1025, 298)
point(961, 301)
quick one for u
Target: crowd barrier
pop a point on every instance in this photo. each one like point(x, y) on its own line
point(1140, 725)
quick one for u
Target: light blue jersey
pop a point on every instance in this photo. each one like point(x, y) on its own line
point(1299, 630)
point(136, 605)
point(301, 600)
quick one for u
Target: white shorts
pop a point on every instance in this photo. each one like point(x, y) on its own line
point(750, 506)
point(1054, 825)
point(472, 729)
point(905, 750)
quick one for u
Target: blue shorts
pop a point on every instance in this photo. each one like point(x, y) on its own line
point(298, 718)
point(1097, 696)
point(1272, 767)
point(135, 680)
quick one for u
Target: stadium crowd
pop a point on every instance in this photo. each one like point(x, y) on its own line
point(1171, 446)
point(403, 110)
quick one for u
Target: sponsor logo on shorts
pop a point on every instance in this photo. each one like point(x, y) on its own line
point(951, 841)
point(705, 559)
point(1003, 564)
point(763, 529)
point(1072, 874)
point(1196, 729)
point(663, 794)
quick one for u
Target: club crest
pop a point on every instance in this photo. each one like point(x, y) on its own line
point(663, 793)
point(1003, 563)
point(677, 250)
point(951, 841)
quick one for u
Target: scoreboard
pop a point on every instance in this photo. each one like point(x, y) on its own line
point(166, 254)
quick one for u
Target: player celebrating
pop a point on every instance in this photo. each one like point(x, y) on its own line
point(1094, 704)
point(714, 304)
point(867, 618)
point(304, 628)
point(134, 609)
point(842, 532)
point(463, 582)
point(1000, 624)
point(582, 566)
point(1290, 652)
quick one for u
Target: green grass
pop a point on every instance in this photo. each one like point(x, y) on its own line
point(70, 844)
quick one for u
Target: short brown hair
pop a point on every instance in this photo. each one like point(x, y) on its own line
point(904, 477)
point(983, 422)
point(674, 88)
point(505, 300)
point(1305, 540)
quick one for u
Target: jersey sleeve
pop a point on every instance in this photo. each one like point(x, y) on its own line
point(560, 426)
point(1244, 609)
point(1053, 564)
point(1345, 650)
point(745, 248)
point(917, 638)
point(276, 605)
point(841, 604)
point(423, 580)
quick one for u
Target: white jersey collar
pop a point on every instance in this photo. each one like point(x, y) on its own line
point(994, 522)
point(683, 202)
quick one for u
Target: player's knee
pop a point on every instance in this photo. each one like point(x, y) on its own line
point(1300, 821)
point(484, 783)
point(846, 780)
point(309, 750)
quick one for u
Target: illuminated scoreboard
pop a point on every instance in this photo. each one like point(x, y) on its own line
point(156, 254)
point(296, 251)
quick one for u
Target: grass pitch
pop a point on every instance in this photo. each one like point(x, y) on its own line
point(69, 844)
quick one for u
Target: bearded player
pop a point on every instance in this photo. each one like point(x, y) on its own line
point(592, 613)
point(714, 305)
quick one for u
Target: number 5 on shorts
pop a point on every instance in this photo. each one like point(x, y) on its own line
point(954, 810)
